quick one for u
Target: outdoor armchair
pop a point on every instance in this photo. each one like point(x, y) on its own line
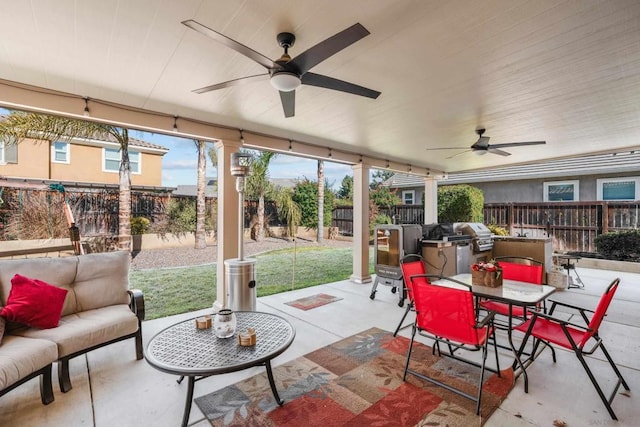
point(446, 313)
point(413, 270)
point(547, 330)
point(522, 269)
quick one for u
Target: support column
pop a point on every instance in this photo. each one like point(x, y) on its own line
point(228, 218)
point(430, 200)
point(361, 224)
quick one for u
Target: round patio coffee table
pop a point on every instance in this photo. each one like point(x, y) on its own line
point(184, 350)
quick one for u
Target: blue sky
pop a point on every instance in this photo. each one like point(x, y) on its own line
point(179, 165)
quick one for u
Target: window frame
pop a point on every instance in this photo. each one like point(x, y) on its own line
point(13, 153)
point(576, 190)
point(67, 152)
point(600, 188)
point(132, 153)
point(413, 197)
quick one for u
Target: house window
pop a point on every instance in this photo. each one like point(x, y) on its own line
point(561, 191)
point(112, 161)
point(60, 152)
point(408, 197)
point(8, 153)
point(627, 188)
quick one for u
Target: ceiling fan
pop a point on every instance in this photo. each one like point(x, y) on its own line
point(482, 146)
point(285, 73)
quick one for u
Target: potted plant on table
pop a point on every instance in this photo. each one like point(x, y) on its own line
point(486, 274)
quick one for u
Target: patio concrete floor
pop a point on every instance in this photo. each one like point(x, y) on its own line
point(111, 388)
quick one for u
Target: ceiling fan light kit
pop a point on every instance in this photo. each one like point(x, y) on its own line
point(285, 81)
point(287, 74)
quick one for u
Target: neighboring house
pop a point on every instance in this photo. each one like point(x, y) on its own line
point(82, 160)
point(585, 179)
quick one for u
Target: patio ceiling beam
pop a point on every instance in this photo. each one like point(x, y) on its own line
point(19, 96)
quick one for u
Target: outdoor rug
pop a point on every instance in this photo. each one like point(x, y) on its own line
point(358, 382)
point(313, 301)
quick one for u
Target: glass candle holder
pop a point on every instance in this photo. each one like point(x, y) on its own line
point(224, 323)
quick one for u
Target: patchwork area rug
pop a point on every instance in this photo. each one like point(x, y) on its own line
point(313, 301)
point(358, 382)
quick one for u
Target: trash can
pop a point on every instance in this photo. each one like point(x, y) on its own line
point(241, 284)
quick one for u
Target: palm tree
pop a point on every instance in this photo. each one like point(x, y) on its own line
point(201, 237)
point(19, 125)
point(259, 186)
point(320, 234)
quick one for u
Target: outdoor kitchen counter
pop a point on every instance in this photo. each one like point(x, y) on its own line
point(538, 248)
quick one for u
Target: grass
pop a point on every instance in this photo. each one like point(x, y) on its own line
point(179, 290)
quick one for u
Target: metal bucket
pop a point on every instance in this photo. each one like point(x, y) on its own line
point(241, 284)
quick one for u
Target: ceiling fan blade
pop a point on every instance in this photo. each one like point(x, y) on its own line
point(457, 154)
point(235, 82)
point(230, 43)
point(447, 148)
point(517, 144)
point(288, 103)
point(323, 50)
point(498, 152)
point(326, 82)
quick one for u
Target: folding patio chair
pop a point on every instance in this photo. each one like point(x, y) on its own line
point(446, 313)
point(522, 269)
point(413, 270)
point(548, 330)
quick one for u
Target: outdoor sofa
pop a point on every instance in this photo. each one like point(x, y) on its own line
point(62, 308)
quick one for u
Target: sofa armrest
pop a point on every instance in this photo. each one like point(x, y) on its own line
point(136, 304)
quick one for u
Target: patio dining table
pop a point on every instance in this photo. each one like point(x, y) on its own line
point(512, 293)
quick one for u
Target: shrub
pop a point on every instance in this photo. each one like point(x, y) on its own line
point(498, 231)
point(139, 225)
point(305, 194)
point(623, 246)
point(460, 203)
point(379, 219)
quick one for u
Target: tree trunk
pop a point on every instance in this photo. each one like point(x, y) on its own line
point(201, 238)
point(320, 234)
point(260, 224)
point(124, 208)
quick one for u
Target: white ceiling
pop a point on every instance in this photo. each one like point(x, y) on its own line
point(567, 72)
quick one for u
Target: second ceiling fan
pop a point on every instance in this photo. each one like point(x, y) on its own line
point(285, 73)
point(482, 146)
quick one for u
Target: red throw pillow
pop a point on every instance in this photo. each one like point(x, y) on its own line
point(34, 303)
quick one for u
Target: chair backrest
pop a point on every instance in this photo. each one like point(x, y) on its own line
point(411, 265)
point(446, 312)
point(522, 269)
point(600, 312)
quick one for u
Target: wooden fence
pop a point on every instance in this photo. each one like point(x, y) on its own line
point(95, 210)
point(572, 225)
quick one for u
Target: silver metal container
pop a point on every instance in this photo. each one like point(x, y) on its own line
point(241, 284)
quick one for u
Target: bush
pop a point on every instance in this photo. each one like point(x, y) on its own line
point(139, 225)
point(498, 231)
point(305, 194)
point(622, 246)
point(379, 219)
point(460, 203)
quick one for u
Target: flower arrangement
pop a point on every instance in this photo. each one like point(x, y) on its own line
point(486, 274)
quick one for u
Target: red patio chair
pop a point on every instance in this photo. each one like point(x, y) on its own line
point(548, 330)
point(522, 269)
point(413, 270)
point(446, 313)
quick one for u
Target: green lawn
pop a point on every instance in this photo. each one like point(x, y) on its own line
point(178, 290)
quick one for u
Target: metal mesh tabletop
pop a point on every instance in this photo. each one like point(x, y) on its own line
point(183, 349)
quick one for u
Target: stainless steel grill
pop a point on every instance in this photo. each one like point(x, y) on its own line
point(481, 237)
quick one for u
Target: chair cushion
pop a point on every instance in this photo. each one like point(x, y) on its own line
point(34, 303)
point(22, 356)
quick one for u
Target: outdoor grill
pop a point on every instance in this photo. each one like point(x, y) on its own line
point(481, 236)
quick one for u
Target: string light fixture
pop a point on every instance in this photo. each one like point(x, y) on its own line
point(290, 145)
point(86, 112)
point(241, 137)
point(330, 153)
point(175, 123)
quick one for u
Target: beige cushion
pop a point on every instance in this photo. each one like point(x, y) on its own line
point(59, 272)
point(83, 330)
point(102, 280)
point(20, 357)
point(3, 323)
